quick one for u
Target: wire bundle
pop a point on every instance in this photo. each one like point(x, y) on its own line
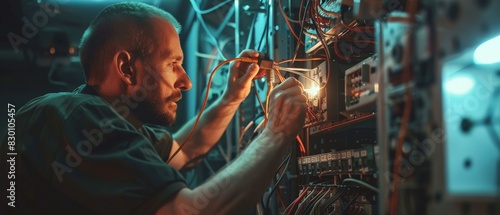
point(321, 198)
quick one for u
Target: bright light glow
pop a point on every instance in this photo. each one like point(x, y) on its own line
point(488, 52)
point(313, 91)
point(459, 85)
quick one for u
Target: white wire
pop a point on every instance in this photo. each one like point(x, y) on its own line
point(244, 131)
point(298, 73)
point(303, 202)
point(204, 25)
point(208, 56)
point(295, 69)
point(221, 151)
point(212, 172)
point(319, 200)
point(259, 210)
point(258, 126)
point(211, 9)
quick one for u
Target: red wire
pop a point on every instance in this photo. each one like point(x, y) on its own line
point(399, 152)
point(411, 10)
point(337, 52)
point(301, 145)
point(304, 192)
point(288, 23)
point(280, 196)
point(357, 28)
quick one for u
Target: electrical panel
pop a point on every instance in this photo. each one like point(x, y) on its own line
point(361, 85)
point(353, 161)
point(341, 149)
point(385, 132)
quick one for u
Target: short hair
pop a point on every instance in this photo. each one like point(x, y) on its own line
point(124, 26)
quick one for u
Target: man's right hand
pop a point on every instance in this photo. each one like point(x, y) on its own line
point(287, 108)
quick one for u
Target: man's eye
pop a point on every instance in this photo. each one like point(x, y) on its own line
point(174, 64)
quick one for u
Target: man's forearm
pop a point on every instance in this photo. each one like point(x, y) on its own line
point(212, 124)
point(238, 187)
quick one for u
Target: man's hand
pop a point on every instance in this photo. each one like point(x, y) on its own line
point(287, 108)
point(240, 78)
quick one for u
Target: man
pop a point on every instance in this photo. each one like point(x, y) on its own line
point(103, 148)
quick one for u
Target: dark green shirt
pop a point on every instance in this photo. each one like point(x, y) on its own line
point(77, 155)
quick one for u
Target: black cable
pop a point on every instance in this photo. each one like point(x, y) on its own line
point(311, 204)
point(250, 34)
point(300, 32)
point(223, 24)
point(350, 202)
point(321, 37)
point(325, 46)
point(287, 160)
point(265, 31)
point(301, 204)
point(332, 200)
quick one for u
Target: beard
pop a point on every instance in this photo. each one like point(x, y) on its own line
point(153, 111)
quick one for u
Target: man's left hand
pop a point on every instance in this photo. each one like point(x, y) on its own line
point(240, 78)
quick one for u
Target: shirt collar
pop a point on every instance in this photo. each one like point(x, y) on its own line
point(85, 89)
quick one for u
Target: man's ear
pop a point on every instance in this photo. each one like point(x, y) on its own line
point(125, 67)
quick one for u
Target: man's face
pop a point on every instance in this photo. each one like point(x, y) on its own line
point(163, 77)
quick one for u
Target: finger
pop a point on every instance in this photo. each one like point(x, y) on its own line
point(300, 99)
point(292, 91)
point(300, 85)
point(287, 94)
point(251, 72)
point(289, 82)
point(261, 73)
point(249, 53)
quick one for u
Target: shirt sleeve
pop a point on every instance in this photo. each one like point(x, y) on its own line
point(161, 139)
point(104, 163)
